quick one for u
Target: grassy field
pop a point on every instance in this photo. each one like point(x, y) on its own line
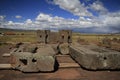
point(93, 38)
point(30, 36)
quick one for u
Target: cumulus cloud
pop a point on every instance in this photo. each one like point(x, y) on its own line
point(103, 23)
point(43, 17)
point(2, 17)
point(28, 21)
point(75, 7)
point(2, 21)
point(10, 23)
point(18, 16)
point(109, 22)
point(99, 7)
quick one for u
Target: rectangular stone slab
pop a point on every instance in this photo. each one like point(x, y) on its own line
point(5, 66)
point(6, 55)
point(69, 65)
point(45, 58)
point(95, 59)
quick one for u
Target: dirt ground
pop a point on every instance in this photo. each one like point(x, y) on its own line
point(60, 74)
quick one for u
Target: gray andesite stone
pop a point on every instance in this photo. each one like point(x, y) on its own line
point(23, 62)
point(64, 48)
point(95, 58)
point(45, 57)
point(42, 60)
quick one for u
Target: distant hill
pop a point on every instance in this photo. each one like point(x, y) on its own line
point(117, 33)
point(17, 30)
point(75, 30)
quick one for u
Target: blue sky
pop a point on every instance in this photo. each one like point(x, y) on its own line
point(92, 16)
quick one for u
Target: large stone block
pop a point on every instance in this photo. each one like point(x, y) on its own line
point(95, 58)
point(45, 57)
point(43, 36)
point(42, 60)
point(44, 63)
point(23, 62)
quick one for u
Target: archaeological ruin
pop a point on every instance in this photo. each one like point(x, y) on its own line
point(41, 56)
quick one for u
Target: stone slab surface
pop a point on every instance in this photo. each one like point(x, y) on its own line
point(69, 65)
point(95, 58)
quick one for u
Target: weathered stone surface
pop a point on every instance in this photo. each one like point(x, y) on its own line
point(65, 36)
point(55, 48)
point(30, 48)
point(54, 38)
point(45, 57)
point(46, 36)
point(64, 48)
point(95, 58)
point(23, 62)
point(42, 60)
point(45, 50)
point(43, 36)
point(44, 63)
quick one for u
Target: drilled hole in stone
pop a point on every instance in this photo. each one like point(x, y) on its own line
point(24, 61)
point(40, 36)
point(46, 37)
point(62, 37)
point(105, 58)
point(68, 38)
point(34, 60)
point(20, 51)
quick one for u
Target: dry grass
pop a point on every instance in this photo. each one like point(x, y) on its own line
point(98, 40)
point(94, 38)
point(19, 37)
point(30, 36)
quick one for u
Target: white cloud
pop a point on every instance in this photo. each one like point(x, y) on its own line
point(99, 7)
point(112, 19)
point(2, 21)
point(109, 22)
point(10, 23)
point(43, 17)
point(2, 17)
point(103, 23)
point(18, 16)
point(28, 21)
point(74, 7)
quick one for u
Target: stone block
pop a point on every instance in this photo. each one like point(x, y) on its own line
point(95, 59)
point(64, 48)
point(23, 61)
point(65, 36)
point(42, 60)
